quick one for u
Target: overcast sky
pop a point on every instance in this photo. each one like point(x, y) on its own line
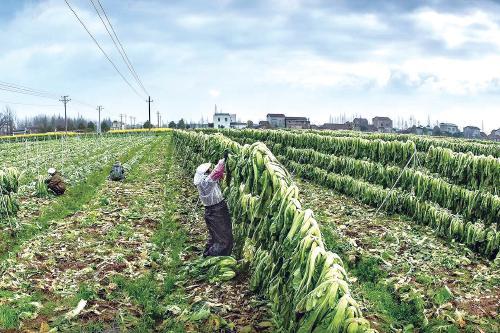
point(302, 58)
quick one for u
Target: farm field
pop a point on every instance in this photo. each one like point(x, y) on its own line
point(402, 272)
point(332, 234)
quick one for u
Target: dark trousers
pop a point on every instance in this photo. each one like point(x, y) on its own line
point(220, 230)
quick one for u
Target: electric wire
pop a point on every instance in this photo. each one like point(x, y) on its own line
point(102, 50)
point(20, 89)
point(123, 49)
point(83, 103)
point(116, 41)
point(26, 92)
point(25, 88)
point(29, 104)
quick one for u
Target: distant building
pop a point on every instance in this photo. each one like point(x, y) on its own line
point(371, 128)
point(472, 132)
point(382, 124)
point(264, 124)
point(116, 125)
point(297, 122)
point(336, 127)
point(222, 120)
point(20, 131)
point(448, 128)
point(233, 117)
point(238, 125)
point(360, 124)
point(418, 130)
point(495, 135)
point(276, 120)
point(199, 125)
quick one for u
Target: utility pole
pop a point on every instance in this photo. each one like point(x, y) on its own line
point(65, 100)
point(99, 108)
point(121, 120)
point(149, 104)
point(158, 118)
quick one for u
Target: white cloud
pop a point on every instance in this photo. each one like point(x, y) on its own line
point(458, 29)
point(358, 21)
point(214, 93)
point(313, 72)
point(455, 76)
point(195, 21)
point(430, 74)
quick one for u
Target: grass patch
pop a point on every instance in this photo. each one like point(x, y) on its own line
point(11, 314)
point(151, 294)
point(9, 317)
point(368, 270)
point(393, 312)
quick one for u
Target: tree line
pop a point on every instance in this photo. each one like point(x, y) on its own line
point(43, 123)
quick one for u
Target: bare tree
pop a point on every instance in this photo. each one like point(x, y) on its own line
point(7, 121)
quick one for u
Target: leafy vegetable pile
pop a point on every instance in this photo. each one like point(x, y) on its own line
point(9, 184)
point(289, 263)
point(213, 269)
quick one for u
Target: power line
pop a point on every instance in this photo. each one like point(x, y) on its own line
point(123, 49)
point(28, 104)
point(102, 50)
point(17, 87)
point(83, 103)
point(120, 48)
point(25, 92)
point(20, 89)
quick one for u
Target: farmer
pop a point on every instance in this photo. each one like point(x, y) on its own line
point(220, 241)
point(117, 172)
point(55, 182)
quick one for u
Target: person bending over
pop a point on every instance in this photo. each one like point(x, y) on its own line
point(55, 182)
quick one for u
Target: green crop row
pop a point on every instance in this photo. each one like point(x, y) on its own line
point(473, 205)
point(423, 143)
point(481, 239)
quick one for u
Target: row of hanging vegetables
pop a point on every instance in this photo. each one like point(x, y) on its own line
point(9, 185)
point(472, 205)
point(417, 194)
point(422, 142)
point(476, 172)
point(482, 239)
point(307, 285)
point(465, 169)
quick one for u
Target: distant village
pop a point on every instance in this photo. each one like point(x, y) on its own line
point(377, 124)
point(40, 124)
